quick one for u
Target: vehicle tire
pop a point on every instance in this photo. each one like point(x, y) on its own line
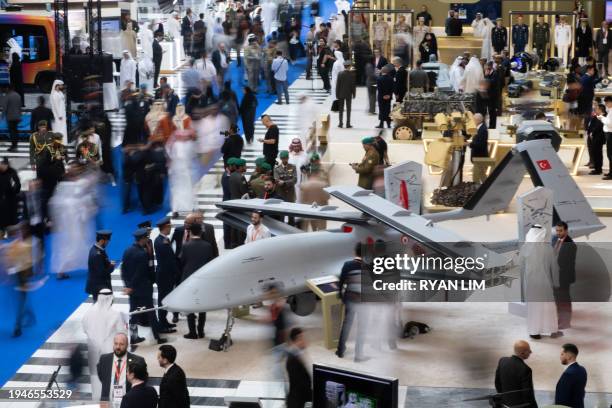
point(44, 81)
point(405, 132)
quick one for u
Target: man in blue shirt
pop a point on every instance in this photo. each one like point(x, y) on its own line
point(280, 66)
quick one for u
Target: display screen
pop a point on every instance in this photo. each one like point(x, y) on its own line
point(609, 10)
point(110, 25)
point(337, 388)
point(488, 8)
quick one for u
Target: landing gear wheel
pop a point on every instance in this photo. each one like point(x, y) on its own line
point(405, 132)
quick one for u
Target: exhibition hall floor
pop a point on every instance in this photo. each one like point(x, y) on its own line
point(456, 360)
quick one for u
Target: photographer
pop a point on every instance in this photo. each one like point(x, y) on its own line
point(232, 145)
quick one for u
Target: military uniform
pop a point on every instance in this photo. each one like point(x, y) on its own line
point(541, 38)
point(238, 187)
point(136, 275)
point(365, 169)
point(47, 152)
point(99, 270)
point(167, 273)
point(520, 37)
point(257, 186)
point(499, 38)
point(288, 175)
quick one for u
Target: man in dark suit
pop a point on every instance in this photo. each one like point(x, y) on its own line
point(565, 249)
point(570, 388)
point(221, 60)
point(603, 42)
point(346, 91)
point(195, 254)
point(384, 85)
point(173, 392)
point(140, 394)
point(138, 281)
point(199, 36)
point(41, 112)
point(112, 369)
point(596, 138)
point(379, 60)
point(157, 57)
point(168, 268)
point(480, 148)
point(187, 31)
point(300, 383)
point(99, 267)
point(401, 79)
point(513, 374)
point(208, 233)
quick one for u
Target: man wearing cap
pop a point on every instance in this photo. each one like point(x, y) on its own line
point(365, 169)
point(47, 157)
point(520, 35)
point(99, 267)
point(541, 38)
point(167, 269)
point(258, 171)
point(138, 282)
point(346, 91)
point(499, 36)
point(285, 175)
point(270, 140)
point(257, 185)
point(149, 246)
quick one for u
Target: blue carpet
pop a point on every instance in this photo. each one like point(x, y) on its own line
point(56, 300)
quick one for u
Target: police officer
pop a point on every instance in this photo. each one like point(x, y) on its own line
point(99, 267)
point(258, 162)
point(285, 175)
point(47, 154)
point(138, 283)
point(499, 36)
point(541, 38)
point(366, 168)
point(149, 246)
point(520, 35)
point(168, 270)
point(238, 187)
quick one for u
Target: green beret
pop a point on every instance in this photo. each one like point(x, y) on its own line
point(266, 167)
point(367, 140)
point(259, 161)
point(315, 156)
point(284, 154)
point(231, 161)
point(240, 162)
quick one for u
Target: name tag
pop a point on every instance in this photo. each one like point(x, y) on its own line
point(117, 393)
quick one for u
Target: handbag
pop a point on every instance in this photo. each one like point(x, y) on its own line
point(335, 106)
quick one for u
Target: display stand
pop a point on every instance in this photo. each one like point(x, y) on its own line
point(326, 288)
point(389, 16)
point(549, 17)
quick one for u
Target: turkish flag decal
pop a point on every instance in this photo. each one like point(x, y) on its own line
point(544, 164)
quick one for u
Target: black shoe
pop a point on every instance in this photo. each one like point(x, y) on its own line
point(201, 335)
point(162, 341)
point(595, 172)
point(278, 103)
point(556, 335)
point(607, 177)
point(340, 125)
point(381, 126)
point(136, 340)
point(339, 354)
point(191, 336)
point(62, 276)
point(16, 333)
point(349, 127)
point(175, 319)
point(535, 336)
point(167, 330)
point(170, 325)
point(11, 149)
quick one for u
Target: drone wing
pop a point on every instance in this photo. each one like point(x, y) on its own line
point(279, 207)
point(413, 225)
